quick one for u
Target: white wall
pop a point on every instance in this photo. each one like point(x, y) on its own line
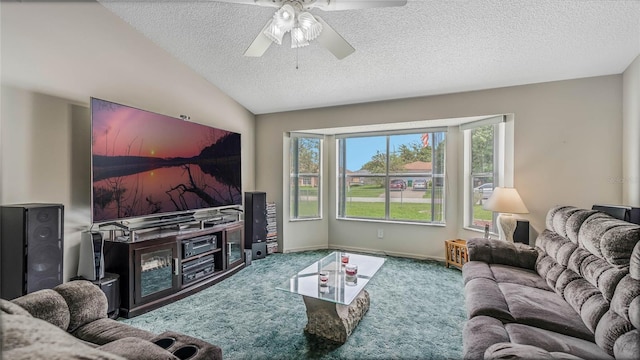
point(54, 58)
point(567, 137)
point(631, 135)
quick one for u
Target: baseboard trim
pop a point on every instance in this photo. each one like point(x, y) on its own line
point(366, 251)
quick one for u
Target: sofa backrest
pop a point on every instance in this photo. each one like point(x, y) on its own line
point(592, 260)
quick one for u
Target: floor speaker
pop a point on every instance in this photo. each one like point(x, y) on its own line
point(31, 244)
point(255, 218)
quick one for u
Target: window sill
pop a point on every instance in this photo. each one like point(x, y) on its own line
point(401, 222)
point(479, 231)
point(305, 219)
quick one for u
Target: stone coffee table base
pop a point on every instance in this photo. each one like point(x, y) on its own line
point(335, 321)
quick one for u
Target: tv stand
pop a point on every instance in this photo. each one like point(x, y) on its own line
point(164, 264)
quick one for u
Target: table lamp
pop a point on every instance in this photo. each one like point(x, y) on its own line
point(506, 201)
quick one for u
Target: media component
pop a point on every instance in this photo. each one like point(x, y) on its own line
point(91, 262)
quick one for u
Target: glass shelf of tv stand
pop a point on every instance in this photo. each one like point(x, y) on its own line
point(129, 229)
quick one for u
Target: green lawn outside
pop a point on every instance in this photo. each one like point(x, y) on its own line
point(481, 214)
point(365, 191)
point(308, 191)
point(397, 211)
point(375, 210)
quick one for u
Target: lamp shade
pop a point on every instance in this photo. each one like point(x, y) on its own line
point(505, 200)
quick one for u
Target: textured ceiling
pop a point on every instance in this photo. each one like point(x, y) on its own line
point(424, 48)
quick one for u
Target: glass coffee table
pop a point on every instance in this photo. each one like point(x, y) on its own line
point(333, 292)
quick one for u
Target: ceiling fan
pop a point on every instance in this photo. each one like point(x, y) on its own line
point(293, 17)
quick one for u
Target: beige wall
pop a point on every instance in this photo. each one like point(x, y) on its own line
point(631, 135)
point(567, 137)
point(54, 58)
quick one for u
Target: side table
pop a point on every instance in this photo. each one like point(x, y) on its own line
point(456, 252)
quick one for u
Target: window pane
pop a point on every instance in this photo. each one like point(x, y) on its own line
point(410, 162)
point(305, 177)
point(438, 181)
point(482, 172)
point(399, 168)
point(363, 167)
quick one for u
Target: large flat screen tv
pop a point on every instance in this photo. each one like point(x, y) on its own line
point(146, 164)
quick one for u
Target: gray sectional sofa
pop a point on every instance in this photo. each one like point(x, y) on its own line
point(70, 322)
point(576, 294)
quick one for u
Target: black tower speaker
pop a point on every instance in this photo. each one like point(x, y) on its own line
point(255, 218)
point(31, 243)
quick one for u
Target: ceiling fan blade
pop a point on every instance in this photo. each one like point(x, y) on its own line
point(260, 44)
point(267, 3)
point(337, 5)
point(335, 43)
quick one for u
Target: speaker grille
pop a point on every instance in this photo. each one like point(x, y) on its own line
point(44, 248)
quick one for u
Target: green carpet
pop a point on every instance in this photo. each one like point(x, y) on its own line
point(417, 312)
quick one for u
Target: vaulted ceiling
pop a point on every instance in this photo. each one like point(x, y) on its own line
point(426, 47)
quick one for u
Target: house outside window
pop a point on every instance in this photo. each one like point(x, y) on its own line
point(305, 177)
point(396, 176)
point(483, 146)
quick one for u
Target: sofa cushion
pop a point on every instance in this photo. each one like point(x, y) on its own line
point(627, 346)
point(103, 331)
point(484, 297)
point(9, 308)
point(515, 275)
point(476, 269)
point(47, 305)
point(609, 329)
point(509, 351)
point(502, 273)
point(85, 300)
point(28, 338)
point(634, 262)
point(634, 312)
point(479, 333)
point(557, 218)
point(610, 239)
point(544, 309)
point(575, 222)
point(554, 342)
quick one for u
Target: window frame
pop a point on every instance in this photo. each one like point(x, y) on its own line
point(294, 177)
point(499, 146)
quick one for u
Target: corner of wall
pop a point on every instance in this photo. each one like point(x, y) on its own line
point(630, 134)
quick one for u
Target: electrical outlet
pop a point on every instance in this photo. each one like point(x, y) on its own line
point(380, 233)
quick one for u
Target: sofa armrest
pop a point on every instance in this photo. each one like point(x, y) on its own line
point(502, 252)
point(138, 349)
point(513, 351)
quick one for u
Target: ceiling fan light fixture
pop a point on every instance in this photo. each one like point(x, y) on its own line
point(274, 33)
point(285, 18)
point(309, 25)
point(297, 38)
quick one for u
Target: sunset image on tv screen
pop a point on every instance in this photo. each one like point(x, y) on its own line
point(145, 163)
